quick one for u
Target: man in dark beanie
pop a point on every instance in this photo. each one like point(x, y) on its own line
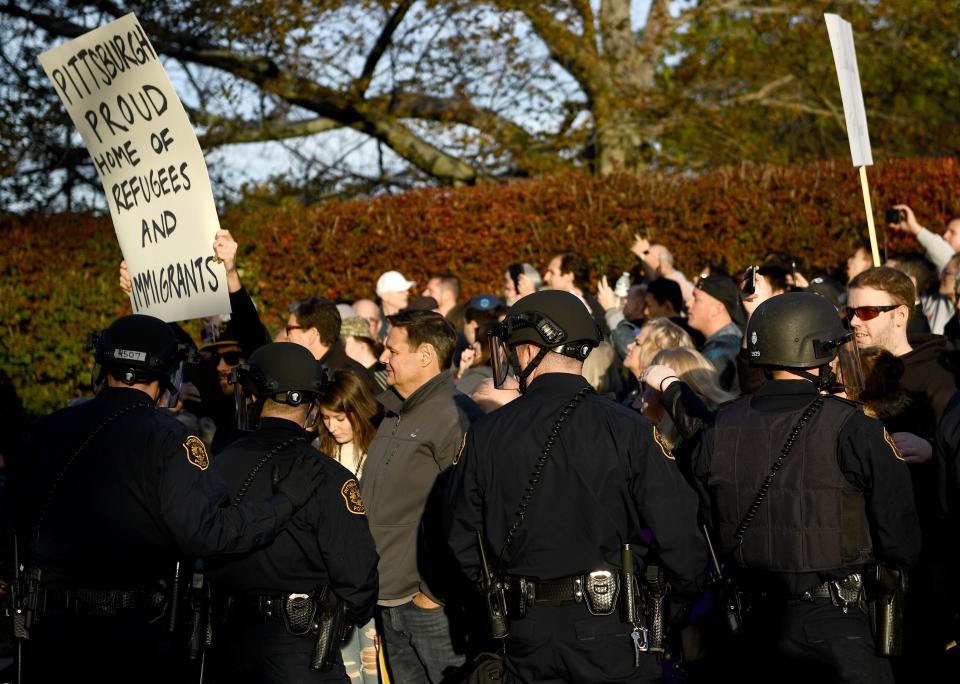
point(716, 311)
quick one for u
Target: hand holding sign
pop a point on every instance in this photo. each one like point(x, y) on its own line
point(225, 250)
point(151, 166)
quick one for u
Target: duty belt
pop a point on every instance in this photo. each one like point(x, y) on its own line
point(103, 602)
point(598, 589)
point(297, 611)
point(845, 593)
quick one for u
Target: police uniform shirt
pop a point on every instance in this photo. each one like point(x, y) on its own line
point(868, 459)
point(327, 540)
point(140, 493)
point(609, 480)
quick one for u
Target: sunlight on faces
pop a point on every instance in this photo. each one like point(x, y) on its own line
point(699, 309)
point(404, 371)
point(338, 425)
point(396, 300)
point(554, 279)
point(952, 234)
point(632, 360)
point(858, 263)
point(887, 330)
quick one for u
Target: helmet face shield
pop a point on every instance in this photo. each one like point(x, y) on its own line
point(243, 400)
point(170, 387)
point(502, 359)
point(849, 368)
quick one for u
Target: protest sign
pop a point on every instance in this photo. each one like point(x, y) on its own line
point(855, 114)
point(150, 164)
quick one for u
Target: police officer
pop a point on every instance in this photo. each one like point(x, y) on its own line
point(111, 492)
point(805, 494)
point(558, 481)
point(278, 593)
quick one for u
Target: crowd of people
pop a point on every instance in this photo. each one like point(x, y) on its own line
point(758, 444)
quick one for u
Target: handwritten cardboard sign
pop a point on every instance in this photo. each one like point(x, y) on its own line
point(150, 163)
point(845, 57)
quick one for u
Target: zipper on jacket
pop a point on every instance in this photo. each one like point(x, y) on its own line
point(393, 433)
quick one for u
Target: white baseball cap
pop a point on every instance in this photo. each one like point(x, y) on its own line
point(393, 281)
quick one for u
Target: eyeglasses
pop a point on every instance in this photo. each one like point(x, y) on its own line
point(288, 328)
point(867, 313)
point(231, 358)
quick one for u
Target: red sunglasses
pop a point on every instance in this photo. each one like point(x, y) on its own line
point(866, 313)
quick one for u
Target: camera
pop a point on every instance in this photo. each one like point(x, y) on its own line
point(516, 270)
point(748, 286)
point(895, 215)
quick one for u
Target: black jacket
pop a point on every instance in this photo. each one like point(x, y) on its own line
point(141, 493)
point(327, 541)
point(607, 481)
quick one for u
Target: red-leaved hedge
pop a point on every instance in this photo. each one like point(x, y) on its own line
point(59, 273)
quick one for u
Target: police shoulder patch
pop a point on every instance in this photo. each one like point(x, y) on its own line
point(663, 444)
point(350, 491)
point(463, 445)
point(893, 445)
point(196, 452)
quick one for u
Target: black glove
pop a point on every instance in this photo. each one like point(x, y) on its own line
point(305, 475)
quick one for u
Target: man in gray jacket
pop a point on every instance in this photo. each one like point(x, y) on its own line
point(425, 423)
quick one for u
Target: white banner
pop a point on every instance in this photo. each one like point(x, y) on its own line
point(845, 57)
point(150, 163)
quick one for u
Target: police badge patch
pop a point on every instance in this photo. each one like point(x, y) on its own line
point(662, 443)
point(893, 445)
point(196, 452)
point(350, 491)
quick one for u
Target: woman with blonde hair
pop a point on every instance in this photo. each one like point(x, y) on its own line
point(691, 369)
point(655, 335)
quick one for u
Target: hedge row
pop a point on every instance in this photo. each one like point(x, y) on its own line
point(59, 272)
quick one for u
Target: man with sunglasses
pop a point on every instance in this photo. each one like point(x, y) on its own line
point(878, 309)
point(879, 304)
point(555, 483)
point(804, 495)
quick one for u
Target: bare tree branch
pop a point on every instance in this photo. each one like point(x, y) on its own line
point(383, 42)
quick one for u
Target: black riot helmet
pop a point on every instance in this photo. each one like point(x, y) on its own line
point(282, 371)
point(554, 320)
point(140, 349)
point(801, 330)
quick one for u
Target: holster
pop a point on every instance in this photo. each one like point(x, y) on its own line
point(653, 592)
point(200, 630)
point(732, 599)
point(886, 588)
point(329, 622)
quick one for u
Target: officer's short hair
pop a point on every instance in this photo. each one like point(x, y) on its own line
point(428, 327)
point(319, 313)
point(895, 283)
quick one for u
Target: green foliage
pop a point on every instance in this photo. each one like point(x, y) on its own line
point(58, 275)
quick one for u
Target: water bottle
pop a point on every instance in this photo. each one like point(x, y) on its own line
point(622, 288)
